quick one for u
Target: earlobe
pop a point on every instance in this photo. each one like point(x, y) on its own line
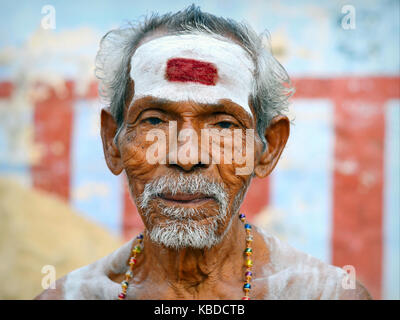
point(111, 152)
point(276, 135)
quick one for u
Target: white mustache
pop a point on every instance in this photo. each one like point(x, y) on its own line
point(183, 230)
point(183, 184)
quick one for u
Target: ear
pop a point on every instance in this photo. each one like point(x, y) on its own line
point(111, 151)
point(276, 135)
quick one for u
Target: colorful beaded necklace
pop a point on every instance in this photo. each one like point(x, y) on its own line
point(248, 262)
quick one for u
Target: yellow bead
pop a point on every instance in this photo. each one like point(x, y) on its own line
point(249, 263)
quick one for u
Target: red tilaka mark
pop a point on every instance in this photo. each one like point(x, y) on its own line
point(189, 70)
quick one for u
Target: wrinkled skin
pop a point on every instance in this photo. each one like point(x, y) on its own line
point(191, 274)
point(165, 273)
point(215, 273)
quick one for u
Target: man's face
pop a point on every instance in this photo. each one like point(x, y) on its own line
point(186, 133)
point(194, 200)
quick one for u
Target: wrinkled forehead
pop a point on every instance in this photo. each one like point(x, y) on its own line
point(193, 67)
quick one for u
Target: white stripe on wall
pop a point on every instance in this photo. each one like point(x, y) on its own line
point(95, 191)
point(301, 185)
point(391, 212)
point(17, 150)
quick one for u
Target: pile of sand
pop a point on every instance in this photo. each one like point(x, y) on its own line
point(37, 229)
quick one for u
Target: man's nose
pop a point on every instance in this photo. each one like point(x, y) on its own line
point(186, 154)
point(187, 167)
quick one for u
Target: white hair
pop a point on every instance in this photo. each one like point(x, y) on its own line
point(271, 83)
point(182, 228)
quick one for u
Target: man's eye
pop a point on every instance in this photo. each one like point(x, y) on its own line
point(225, 124)
point(153, 120)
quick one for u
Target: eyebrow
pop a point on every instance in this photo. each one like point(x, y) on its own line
point(227, 107)
point(234, 109)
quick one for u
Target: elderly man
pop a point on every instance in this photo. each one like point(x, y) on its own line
point(171, 84)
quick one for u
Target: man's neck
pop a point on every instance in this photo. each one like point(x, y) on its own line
point(194, 270)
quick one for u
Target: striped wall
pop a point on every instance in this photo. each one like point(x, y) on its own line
point(301, 185)
point(335, 191)
point(391, 193)
point(94, 193)
point(16, 125)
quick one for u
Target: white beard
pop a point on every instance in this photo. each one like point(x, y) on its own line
point(183, 227)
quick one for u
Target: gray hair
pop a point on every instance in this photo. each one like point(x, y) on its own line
point(181, 228)
point(271, 87)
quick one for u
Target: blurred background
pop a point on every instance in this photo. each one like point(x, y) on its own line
point(335, 193)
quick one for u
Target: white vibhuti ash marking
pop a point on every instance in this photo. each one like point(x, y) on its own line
point(234, 65)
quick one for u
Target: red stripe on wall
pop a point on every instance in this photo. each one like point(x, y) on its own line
point(356, 87)
point(358, 175)
point(131, 222)
point(53, 118)
point(256, 199)
point(6, 89)
point(358, 187)
point(350, 87)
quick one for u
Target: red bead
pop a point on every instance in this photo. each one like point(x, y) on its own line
point(246, 298)
point(121, 296)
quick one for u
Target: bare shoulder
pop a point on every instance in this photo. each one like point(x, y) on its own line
point(92, 281)
point(53, 294)
point(293, 274)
